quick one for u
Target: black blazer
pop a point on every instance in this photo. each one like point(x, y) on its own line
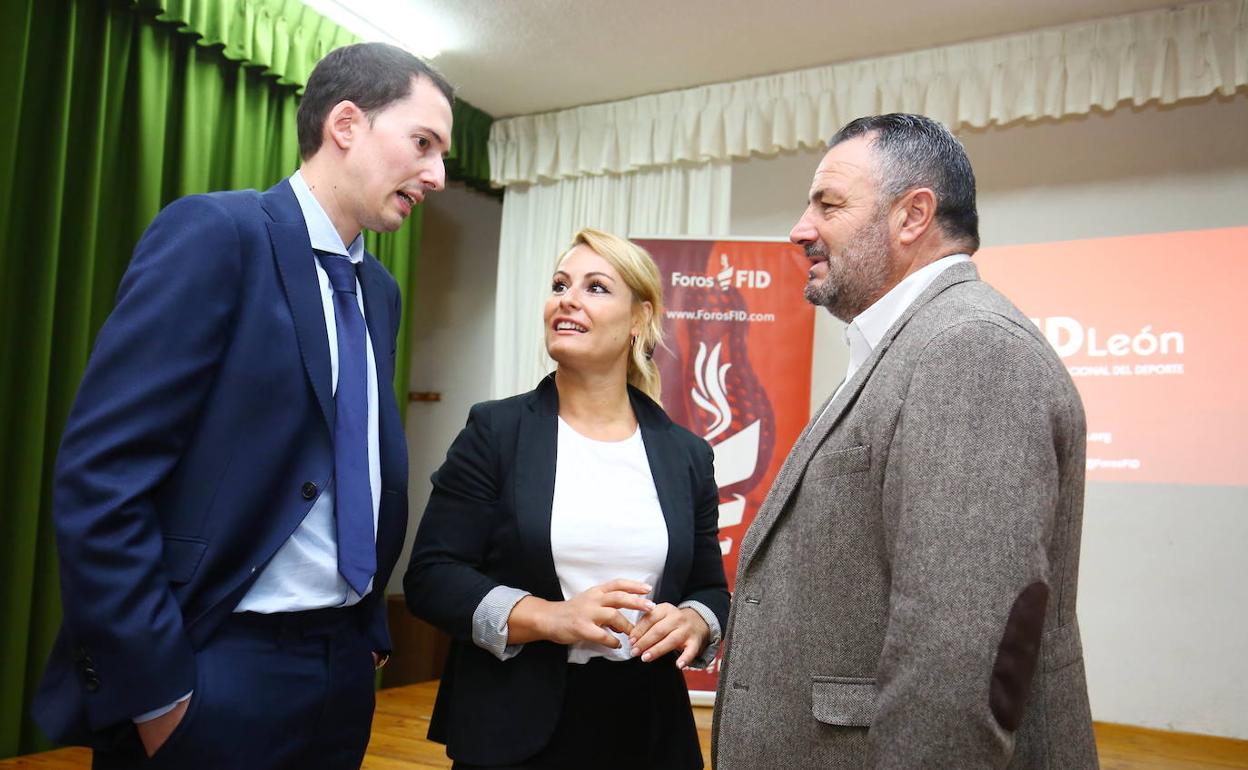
point(488, 524)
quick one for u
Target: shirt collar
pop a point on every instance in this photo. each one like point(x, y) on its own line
point(870, 326)
point(321, 232)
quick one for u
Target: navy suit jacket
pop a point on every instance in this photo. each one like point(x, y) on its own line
point(488, 524)
point(200, 438)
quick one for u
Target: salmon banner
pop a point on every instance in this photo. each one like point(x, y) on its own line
point(736, 369)
point(1150, 328)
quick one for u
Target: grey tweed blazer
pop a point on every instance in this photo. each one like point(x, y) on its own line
point(905, 597)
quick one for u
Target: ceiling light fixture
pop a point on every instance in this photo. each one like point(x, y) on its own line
point(398, 22)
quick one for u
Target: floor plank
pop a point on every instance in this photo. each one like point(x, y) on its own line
point(1123, 747)
point(402, 718)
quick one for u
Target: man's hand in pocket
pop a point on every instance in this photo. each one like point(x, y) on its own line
point(156, 731)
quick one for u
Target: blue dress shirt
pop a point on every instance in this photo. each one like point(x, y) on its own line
point(303, 575)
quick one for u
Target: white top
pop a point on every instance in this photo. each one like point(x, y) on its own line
point(870, 326)
point(605, 522)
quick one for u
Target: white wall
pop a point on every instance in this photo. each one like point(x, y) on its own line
point(1163, 589)
point(452, 334)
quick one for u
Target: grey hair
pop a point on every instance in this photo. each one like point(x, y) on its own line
point(915, 151)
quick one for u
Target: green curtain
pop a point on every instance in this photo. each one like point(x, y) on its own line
point(110, 110)
point(286, 38)
point(469, 159)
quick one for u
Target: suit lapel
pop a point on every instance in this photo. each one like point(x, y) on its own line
point(293, 253)
point(377, 315)
point(537, 447)
point(671, 482)
point(391, 442)
point(818, 430)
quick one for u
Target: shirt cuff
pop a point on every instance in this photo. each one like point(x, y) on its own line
point(712, 642)
point(160, 712)
point(489, 622)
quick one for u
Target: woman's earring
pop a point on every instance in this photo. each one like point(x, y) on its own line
point(634, 342)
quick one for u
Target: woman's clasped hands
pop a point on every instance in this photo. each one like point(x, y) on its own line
point(591, 615)
point(666, 628)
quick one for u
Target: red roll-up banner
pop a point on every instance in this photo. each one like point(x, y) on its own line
point(736, 369)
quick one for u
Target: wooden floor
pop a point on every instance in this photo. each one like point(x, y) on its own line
point(402, 718)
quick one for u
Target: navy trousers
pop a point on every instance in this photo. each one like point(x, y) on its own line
point(290, 690)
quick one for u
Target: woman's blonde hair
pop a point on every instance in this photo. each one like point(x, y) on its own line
point(639, 272)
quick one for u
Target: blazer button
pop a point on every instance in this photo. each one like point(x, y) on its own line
point(308, 490)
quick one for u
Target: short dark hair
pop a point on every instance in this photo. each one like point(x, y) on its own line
point(916, 151)
point(373, 75)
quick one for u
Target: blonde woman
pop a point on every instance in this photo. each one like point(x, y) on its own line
point(570, 545)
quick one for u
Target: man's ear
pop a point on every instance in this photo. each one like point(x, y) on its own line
point(342, 123)
point(914, 214)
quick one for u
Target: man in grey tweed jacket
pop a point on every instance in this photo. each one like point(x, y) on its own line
point(905, 597)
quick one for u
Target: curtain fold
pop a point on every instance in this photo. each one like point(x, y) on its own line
point(469, 158)
point(1192, 50)
point(114, 114)
point(540, 220)
point(285, 38)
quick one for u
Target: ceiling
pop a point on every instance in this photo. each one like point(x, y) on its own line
point(514, 57)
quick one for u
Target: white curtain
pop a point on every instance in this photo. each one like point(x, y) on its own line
point(539, 221)
point(1193, 50)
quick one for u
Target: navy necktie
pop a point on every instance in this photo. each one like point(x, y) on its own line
point(353, 498)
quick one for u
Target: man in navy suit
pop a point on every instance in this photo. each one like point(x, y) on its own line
point(230, 492)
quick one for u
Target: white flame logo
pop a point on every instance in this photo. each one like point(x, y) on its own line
point(724, 276)
point(710, 393)
point(736, 457)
